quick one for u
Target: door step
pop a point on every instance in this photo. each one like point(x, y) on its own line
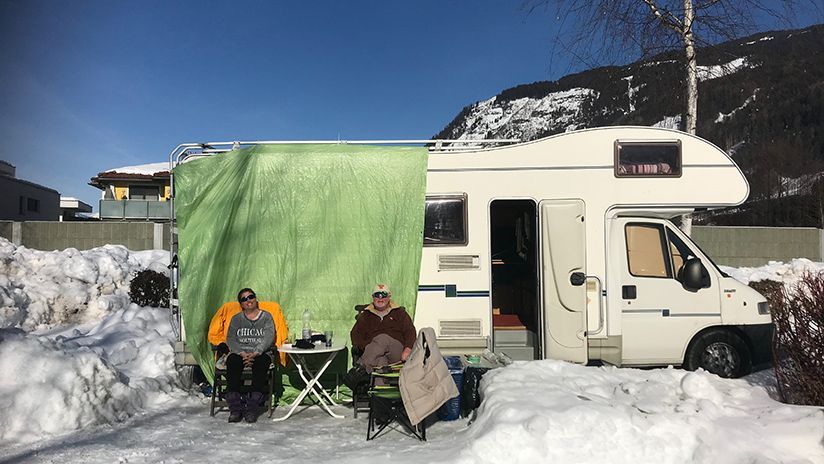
point(517, 343)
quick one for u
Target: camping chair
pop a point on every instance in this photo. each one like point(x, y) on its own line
point(218, 401)
point(360, 398)
point(386, 408)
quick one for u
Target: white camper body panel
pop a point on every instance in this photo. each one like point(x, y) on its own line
point(578, 166)
point(553, 259)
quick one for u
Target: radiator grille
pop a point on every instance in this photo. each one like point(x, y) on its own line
point(459, 328)
point(459, 262)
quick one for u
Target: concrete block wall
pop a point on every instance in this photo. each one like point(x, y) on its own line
point(729, 246)
point(756, 246)
point(6, 229)
point(52, 235)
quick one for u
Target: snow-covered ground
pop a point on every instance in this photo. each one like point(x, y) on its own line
point(88, 377)
point(706, 73)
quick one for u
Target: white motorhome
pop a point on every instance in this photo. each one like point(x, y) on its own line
point(562, 248)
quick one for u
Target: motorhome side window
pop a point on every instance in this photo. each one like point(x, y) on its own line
point(647, 159)
point(645, 250)
point(445, 220)
point(679, 252)
point(655, 251)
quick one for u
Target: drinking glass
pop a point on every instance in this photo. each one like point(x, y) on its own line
point(328, 334)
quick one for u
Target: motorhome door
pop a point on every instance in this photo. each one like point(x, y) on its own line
point(659, 314)
point(563, 264)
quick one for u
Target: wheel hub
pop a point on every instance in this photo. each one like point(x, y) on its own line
point(720, 358)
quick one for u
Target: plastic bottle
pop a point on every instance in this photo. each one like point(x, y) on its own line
point(307, 331)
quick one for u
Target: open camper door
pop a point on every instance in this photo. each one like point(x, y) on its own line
point(563, 261)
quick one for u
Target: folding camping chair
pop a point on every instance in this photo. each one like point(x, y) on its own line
point(360, 397)
point(386, 408)
point(218, 400)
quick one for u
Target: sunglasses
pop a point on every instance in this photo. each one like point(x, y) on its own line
point(248, 297)
point(380, 295)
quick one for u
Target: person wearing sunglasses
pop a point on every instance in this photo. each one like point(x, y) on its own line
point(383, 332)
point(244, 331)
point(250, 335)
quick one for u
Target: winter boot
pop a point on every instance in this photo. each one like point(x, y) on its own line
point(356, 377)
point(253, 406)
point(236, 408)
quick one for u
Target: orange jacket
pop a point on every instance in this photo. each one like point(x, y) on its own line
point(220, 323)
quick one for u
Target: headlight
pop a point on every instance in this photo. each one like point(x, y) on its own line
point(763, 308)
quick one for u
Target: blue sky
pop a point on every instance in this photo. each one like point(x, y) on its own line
point(91, 85)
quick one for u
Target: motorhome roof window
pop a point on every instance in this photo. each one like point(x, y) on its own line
point(647, 159)
point(445, 220)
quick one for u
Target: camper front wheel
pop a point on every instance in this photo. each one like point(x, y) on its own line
point(721, 352)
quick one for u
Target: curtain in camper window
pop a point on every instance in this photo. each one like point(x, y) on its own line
point(310, 226)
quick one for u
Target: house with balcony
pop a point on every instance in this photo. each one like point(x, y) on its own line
point(134, 193)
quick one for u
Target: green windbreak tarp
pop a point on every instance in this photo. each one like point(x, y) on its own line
point(309, 226)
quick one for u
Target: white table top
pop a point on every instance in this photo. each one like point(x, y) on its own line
point(321, 348)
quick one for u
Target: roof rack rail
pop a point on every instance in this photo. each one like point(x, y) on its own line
point(186, 150)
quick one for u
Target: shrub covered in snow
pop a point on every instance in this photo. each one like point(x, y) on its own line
point(798, 344)
point(771, 290)
point(150, 288)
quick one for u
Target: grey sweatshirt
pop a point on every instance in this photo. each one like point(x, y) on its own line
point(251, 336)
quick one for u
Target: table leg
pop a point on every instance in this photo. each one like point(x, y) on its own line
point(300, 362)
point(320, 372)
point(315, 380)
point(297, 400)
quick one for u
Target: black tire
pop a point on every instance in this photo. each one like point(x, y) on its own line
point(721, 352)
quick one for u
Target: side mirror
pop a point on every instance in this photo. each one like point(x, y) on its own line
point(694, 275)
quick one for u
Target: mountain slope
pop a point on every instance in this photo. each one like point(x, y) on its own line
point(761, 99)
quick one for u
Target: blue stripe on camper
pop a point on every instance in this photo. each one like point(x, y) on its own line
point(431, 288)
point(451, 291)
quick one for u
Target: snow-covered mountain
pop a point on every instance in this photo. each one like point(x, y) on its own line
point(761, 99)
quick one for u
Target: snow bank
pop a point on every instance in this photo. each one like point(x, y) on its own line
point(553, 411)
point(44, 289)
point(144, 169)
point(102, 374)
point(786, 273)
point(114, 360)
point(97, 359)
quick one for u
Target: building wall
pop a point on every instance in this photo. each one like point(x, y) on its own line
point(6, 230)
point(729, 246)
point(49, 236)
point(756, 246)
point(12, 189)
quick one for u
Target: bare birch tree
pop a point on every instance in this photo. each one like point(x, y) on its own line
point(603, 30)
point(595, 31)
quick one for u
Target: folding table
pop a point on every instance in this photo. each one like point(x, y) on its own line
point(312, 379)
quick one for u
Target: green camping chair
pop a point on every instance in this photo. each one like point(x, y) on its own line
point(386, 410)
point(360, 397)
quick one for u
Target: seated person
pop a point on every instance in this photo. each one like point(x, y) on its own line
point(383, 332)
point(220, 325)
point(248, 339)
